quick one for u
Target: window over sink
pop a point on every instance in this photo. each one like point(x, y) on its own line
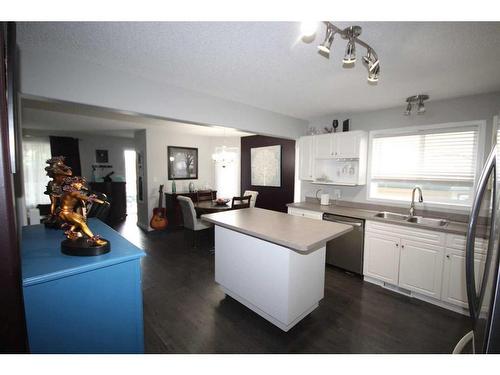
point(444, 160)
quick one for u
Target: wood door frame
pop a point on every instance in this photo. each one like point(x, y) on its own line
point(13, 336)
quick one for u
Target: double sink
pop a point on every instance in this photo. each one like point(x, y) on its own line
point(412, 219)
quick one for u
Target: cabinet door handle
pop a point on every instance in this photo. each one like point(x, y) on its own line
point(397, 245)
point(402, 246)
point(448, 256)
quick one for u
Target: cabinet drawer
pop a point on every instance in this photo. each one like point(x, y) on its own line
point(407, 232)
point(457, 241)
point(305, 213)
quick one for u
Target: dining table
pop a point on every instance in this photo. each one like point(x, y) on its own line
point(210, 207)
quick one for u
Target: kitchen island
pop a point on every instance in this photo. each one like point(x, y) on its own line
point(271, 262)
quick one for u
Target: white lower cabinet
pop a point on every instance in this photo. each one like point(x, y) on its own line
point(421, 268)
point(381, 258)
point(454, 276)
point(428, 264)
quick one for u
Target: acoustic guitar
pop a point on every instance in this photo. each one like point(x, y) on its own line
point(159, 220)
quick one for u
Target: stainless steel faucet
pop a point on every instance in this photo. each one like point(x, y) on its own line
point(420, 199)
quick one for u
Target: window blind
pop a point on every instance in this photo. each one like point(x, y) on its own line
point(433, 155)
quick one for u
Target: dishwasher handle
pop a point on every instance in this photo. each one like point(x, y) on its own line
point(346, 222)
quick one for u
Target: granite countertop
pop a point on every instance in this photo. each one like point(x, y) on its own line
point(297, 233)
point(454, 227)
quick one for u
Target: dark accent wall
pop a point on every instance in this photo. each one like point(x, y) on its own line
point(272, 198)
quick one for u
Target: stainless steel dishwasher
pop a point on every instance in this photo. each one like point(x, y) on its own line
point(346, 251)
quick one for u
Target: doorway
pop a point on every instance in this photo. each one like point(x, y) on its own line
point(131, 182)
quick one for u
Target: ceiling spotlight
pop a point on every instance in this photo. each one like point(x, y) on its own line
point(308, 28)
point(373, 65)
point(350, 53)
point(374, 72)
point(419, 100)
point(327, 43)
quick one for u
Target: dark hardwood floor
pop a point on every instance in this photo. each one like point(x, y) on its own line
point(186, 312)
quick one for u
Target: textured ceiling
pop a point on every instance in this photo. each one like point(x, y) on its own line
point(264, 64)
point(61, 116)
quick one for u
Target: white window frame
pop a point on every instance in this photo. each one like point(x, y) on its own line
point(481, 124)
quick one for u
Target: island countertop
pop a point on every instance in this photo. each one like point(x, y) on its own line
point(296, 233)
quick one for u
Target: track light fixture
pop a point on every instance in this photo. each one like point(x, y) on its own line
point(419, 100)
point(351, 34)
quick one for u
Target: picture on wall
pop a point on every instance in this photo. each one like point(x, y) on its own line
point(182, 163)
point(101, 156)
point(265, 165)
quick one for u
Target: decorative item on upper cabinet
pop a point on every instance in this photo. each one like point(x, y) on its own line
point(328, 130)
point(335, 125)
point(345, 125)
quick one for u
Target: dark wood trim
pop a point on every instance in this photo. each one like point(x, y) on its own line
point(12, 322)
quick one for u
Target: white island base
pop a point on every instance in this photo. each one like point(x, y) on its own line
point(279, 284)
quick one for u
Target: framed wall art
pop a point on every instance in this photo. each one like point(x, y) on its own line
point(265, 165)
point(182, 163)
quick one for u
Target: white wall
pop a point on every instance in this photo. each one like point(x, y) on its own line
point(88, 144)
point(477, 107)
point(52, 74)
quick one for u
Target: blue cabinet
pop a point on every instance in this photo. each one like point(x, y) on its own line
point(81, 304)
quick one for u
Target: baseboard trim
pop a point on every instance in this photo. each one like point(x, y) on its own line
point(412, 294)
point(144, 227)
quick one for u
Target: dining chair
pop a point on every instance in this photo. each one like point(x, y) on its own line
point(254, 196)
point(204, 195)
point(191, 222)
point(241, 202)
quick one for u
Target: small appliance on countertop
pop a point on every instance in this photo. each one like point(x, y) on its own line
point(325, 199)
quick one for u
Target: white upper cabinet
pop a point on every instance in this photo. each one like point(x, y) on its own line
point(323, 146)
point(323, 158)
point(346, 145)
point(349, 144)
point(306, 158)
